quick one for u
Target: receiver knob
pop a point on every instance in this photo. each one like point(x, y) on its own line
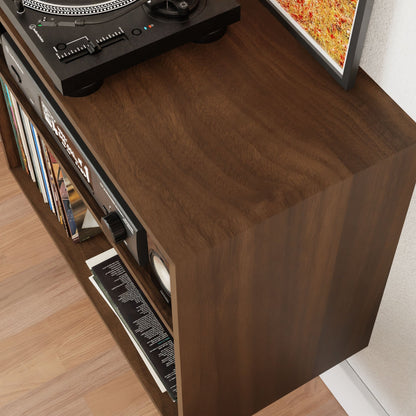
point(114, 227)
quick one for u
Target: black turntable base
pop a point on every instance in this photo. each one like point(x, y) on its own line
point(81, 44)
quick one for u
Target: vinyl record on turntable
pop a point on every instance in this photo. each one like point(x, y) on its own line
point(67, 8)
point(158, 8)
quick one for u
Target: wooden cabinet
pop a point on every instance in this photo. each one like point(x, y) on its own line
point(277, 198)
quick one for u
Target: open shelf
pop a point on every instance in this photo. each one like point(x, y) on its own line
point(76, 254)
point(140, 274)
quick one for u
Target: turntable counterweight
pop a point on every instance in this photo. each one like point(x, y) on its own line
point(171, 8)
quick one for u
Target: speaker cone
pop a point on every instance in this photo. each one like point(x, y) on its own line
point(161, 271)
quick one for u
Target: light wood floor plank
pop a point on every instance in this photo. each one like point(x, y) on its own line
point(34, 294)
point(26, 237)
point(12, 207)
point(56, 396)
point(121, 396)
point(50, 348)
point(312, 399)
point(8, 189)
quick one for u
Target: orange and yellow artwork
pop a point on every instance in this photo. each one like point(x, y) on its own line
point(328, 22)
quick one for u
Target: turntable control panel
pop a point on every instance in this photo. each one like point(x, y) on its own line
point(69, 51)
point(79, 45)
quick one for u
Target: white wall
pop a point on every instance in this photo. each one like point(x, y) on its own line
point(389, 54)
point(388, 365)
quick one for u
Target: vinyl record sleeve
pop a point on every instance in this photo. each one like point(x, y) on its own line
point(138, 316)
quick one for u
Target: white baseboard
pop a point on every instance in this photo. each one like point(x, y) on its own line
point(350, 391)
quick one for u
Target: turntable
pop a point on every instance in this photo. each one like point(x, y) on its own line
point(81, 44)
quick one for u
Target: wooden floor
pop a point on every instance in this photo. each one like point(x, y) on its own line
point(56, 356)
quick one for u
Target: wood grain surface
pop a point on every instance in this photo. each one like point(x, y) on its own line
point(56, 356)
point(274, 307)
point(276, 197)
point(244, 128)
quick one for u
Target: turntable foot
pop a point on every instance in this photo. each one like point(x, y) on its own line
point(87, 90)
point(212, 36)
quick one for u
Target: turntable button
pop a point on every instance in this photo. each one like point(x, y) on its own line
point(136, 32)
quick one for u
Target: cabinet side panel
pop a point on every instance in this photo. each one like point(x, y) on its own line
point(375, 215)
point(250, 312)
point(274, 307)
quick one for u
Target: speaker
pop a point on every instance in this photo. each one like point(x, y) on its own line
point(159, 268)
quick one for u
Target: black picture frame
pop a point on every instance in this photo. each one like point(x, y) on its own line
point(345, 75)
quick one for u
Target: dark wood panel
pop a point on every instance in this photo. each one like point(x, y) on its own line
point(244, 128)
point(272, 308)
point(371, 229)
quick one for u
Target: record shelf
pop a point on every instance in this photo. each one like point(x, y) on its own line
point(277, 197)
point(76, 254)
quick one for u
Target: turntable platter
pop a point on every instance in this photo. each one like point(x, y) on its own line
point(67, 8)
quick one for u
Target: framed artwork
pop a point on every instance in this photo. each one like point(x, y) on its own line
point(332, 30)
